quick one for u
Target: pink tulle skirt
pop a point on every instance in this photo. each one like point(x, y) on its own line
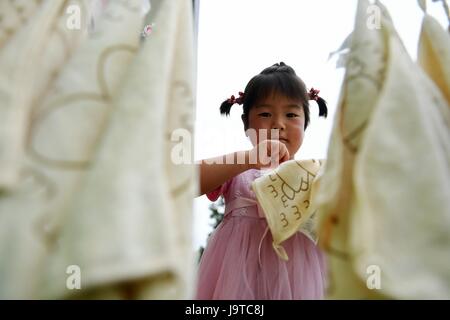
point(240, 263)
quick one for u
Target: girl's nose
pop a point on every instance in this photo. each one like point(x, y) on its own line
point(278, 124)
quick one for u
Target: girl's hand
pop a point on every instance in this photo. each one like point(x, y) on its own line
point(268, 154)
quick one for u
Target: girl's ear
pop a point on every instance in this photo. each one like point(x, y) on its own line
point(244, 120)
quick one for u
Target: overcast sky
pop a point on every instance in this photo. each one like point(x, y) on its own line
point(239, 38)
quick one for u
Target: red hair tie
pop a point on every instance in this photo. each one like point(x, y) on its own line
point(234, 100)
point(313, 94)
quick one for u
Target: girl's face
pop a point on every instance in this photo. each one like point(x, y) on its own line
point(278, 112)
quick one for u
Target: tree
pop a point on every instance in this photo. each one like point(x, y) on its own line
point(217, 212)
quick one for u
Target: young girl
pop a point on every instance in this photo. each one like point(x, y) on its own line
point(239, 261)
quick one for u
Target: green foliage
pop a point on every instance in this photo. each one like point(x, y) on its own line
point(217, 212)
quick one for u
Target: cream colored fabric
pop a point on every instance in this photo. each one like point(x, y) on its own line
point(96, 186)
point(33, 45)
point(286, 198)
point(434, 54)
point(30, 60)
point(13, 14)
point(383, 200)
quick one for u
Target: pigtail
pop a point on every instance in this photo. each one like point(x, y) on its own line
point(225, 107)
point(323, 109)
point(314, 95)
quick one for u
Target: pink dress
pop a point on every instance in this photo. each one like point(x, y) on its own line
point(239, 261)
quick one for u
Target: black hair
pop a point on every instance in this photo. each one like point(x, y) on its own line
point(277, 79)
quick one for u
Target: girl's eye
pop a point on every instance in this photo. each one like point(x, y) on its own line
point(264, 114)
point(292, 115)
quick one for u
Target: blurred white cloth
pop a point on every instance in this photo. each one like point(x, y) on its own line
point(33, 45)
point(383, 202)
point(96, 186)
point(434, 54)
point(30, 60)
point(285, 197)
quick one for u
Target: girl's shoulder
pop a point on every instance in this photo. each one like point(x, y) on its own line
point(247, 177)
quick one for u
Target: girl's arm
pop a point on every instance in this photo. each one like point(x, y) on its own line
point(216, 171)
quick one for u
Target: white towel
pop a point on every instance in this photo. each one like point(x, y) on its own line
point(383, 202)
point(286, 197)
point(98, 188)
point(30, 60)
point(35, 45)
point(434, 54)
